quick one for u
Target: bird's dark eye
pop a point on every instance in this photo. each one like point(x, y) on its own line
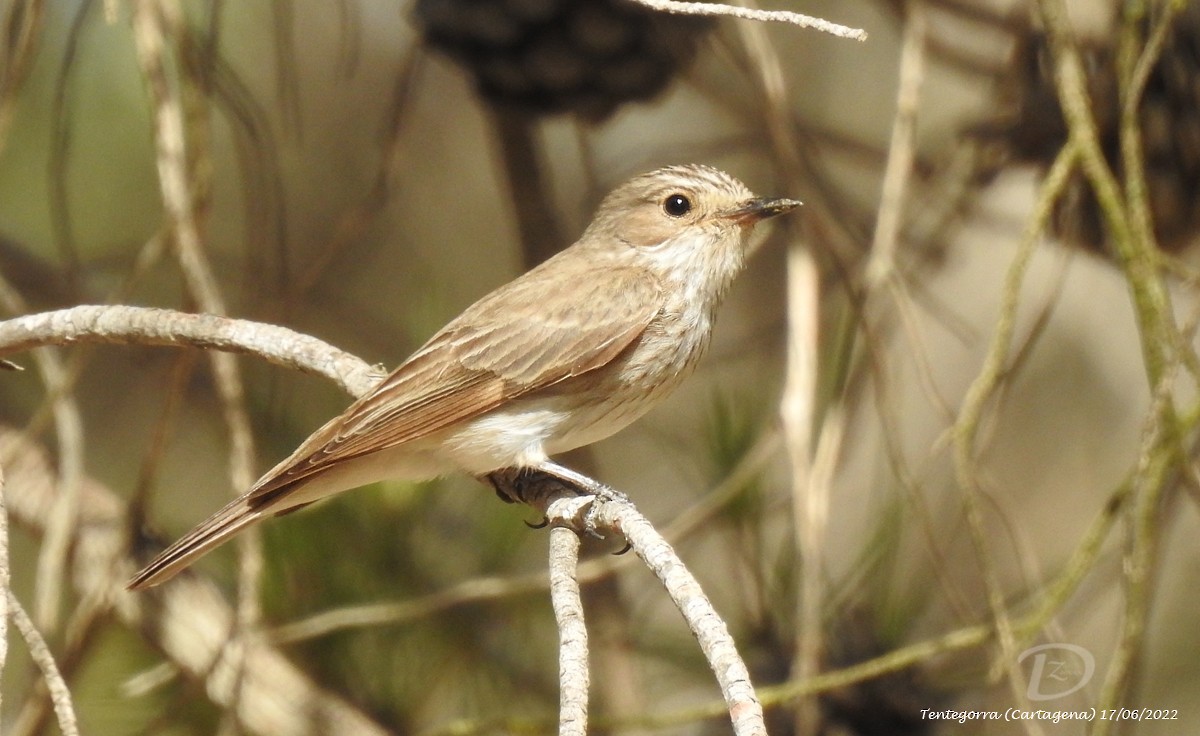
point(677, 205)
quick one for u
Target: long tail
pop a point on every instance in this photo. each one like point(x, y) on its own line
point(237, 515)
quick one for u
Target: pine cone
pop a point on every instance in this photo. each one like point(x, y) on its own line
point(553, 56)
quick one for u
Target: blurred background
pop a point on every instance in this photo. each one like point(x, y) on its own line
point(982, 494)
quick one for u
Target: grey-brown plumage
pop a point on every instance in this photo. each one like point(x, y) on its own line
point(565, 355)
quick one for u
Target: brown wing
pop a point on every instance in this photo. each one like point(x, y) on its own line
point(527, 335)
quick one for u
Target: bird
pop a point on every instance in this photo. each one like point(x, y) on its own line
point(566, 354)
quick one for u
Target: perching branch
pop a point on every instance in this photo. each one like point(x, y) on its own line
point(572, 633)
point(715, 641)
point(564, 505)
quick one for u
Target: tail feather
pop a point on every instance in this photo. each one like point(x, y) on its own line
point(219, 527)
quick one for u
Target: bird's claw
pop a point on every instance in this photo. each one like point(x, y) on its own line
point(603, 494)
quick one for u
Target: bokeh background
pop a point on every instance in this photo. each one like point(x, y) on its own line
point(940, 499)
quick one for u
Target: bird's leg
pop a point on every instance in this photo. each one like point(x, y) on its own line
point(527, 484)
point(580, 483)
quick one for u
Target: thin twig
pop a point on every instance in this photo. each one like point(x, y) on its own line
point(889, 414)
point(1126, 215)
point(60, 150)
point(798, 403)
point(902, 150)
point(60, 694)
point(358, 218)
point(175, 390)
point(1136, 62)
point(718, 646)
point(778, 16)
point(809, 498)
point(258, 160)
point(981, 391)
point(183, 192)
point(82, 630)
point(1150, 298)
point(23, 21)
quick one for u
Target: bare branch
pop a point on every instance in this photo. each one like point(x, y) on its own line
point(146, 326)
point(902, 150)
point(572, 633)
point(718, 646)
point(733, 11)
point(565, 506)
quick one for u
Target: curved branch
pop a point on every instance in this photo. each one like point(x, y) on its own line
point(120, 325)
point(708, 627)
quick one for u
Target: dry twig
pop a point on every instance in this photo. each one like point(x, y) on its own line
point(733, 11)
point(60, 694)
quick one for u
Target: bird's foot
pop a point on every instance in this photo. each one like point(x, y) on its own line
point(538, 485)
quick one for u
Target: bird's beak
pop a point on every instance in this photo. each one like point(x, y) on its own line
point(753, 210)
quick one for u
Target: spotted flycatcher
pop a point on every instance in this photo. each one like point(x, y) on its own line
point(563, 356)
